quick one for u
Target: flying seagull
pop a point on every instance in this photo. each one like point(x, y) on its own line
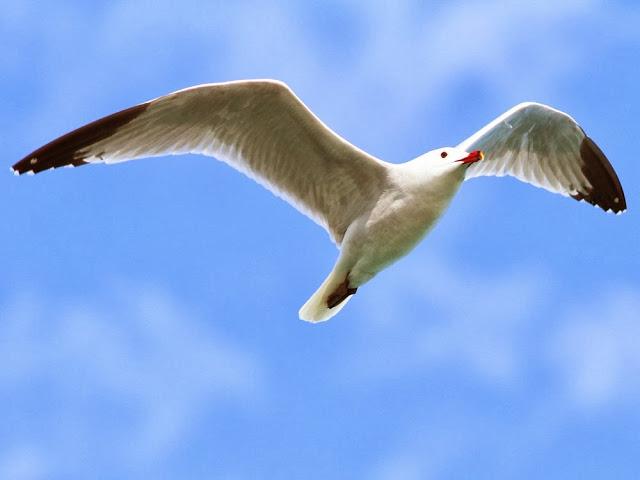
point(376, 212)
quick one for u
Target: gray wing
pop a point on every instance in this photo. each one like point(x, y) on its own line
point(257, 126)
point(546, 148)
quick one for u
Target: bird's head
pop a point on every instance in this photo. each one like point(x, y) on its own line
point(444, 163)
point(452, 158)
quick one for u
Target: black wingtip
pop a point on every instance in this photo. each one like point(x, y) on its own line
point(67, 150)
point(605, 191)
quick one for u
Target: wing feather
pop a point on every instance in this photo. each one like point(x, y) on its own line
point(547, 148)
point(257, 126)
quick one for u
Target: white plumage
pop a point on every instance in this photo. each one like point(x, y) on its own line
point(375, 211)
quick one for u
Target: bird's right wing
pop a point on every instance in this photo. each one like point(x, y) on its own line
point(259, 127)
point(546, 148)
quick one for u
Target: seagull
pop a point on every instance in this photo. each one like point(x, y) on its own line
point(375, 212)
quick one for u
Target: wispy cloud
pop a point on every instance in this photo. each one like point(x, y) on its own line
point(595, 349)
point(437, 317)
point(430, 313)
point(136, 367)
point(501, 332)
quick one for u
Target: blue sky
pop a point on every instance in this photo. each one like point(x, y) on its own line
point(148, 311)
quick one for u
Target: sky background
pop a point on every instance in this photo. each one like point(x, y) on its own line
point(148, 311)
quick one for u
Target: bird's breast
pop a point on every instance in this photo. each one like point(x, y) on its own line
point(395, 225)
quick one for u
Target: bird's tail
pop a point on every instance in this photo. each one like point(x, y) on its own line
point(316, 308)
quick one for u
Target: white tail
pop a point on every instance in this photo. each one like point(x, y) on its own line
point(316, 309)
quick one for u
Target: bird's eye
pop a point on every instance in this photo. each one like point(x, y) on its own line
point(443, 155)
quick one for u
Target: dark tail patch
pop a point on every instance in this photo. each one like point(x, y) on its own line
point(340, 294)
point(67, 149)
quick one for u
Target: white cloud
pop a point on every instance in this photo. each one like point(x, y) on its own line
point(401, 467)
point(496, 330)
point(137, 357)
point(435, 316)
point(595, 349)
point(429, 315)
point(426, 454)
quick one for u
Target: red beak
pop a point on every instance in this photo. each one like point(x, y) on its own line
point(473, 157)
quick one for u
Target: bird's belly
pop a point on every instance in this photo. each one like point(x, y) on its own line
point(384, 238)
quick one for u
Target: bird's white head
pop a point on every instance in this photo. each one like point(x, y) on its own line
point(444, 162)
point(444, 166)
point(451, 157)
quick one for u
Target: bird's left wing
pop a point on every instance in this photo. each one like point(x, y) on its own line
point(259, 127)
point(546, 148)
